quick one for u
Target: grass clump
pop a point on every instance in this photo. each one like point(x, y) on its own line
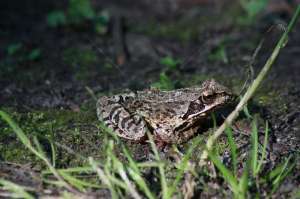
point(253, 175)
point(170, 69)
point(14, 190)
point(170, 62)
point(164, 83)
point(126, 176)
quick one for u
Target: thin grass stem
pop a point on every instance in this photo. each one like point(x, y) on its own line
point(251, 90)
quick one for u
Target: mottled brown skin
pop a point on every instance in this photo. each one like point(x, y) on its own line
point(171, 116)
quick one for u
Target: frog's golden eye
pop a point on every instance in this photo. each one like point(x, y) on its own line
point(207, 99)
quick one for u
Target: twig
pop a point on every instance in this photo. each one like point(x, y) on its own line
point(228, 121)
point(119, 40)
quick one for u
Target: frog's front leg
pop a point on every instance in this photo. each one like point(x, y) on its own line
point(111, 111)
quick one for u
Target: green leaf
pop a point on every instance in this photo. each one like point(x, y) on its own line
point(14, 48)
point(164, 83)
point(34, 54)
point(170, 62)
point(254, 152)
point(233, 149)
point(254, 7)
point(80, 10)
point(101, 22)
point(56, 18)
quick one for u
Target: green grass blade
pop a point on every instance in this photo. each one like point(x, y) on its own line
point(183, 167)
point(251, 90)
point(244, 181)
point(141, 183)
point(264, 149)
point(38, 152)
point(73, 181)
point(84, 169)
point(163, 180)
point(118, 167)
point(21, 135)
point(116, 181)
point(233, 149)
point(227, 175)
point(107, 130)
point(153, 146)
point(247, 113)
point(104, 178)
point(254, 151)
point(16, 190)
point(57, 183)
point(136, 175)
point(78, 183)
point(122, 172)
point(285, 170)
point(161, 169)
point(148, 164)
point(213, 116)
point(39, 147)
point(53, 154)
point(133, 165)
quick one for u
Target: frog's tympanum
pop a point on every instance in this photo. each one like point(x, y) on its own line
point(170, 116)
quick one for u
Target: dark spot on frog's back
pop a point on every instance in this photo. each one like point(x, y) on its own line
point(193, 108)
point(114, 110)
point(169, 112)
point(116, 116)
point(124, 121)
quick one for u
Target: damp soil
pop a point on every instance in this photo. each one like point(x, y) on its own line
point(50, 76)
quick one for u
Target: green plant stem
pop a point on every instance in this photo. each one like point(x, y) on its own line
point(251, 90)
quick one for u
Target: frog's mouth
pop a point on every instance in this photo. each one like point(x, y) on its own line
point(207, 108)
point(201, 108)
point(204, 111)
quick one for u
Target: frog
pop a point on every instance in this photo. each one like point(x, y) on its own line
point(171, 117)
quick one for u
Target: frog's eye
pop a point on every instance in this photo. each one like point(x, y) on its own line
point(207, 99)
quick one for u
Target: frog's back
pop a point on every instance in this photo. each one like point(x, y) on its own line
point(179, 95)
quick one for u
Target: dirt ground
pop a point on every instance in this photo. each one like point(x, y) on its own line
point(49, 75)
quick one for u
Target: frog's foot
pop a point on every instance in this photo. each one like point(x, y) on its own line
point(116, 117)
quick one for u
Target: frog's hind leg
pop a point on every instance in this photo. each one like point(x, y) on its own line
point(116, 117)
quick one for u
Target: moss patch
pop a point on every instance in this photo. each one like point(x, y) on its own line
point(74, 130)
